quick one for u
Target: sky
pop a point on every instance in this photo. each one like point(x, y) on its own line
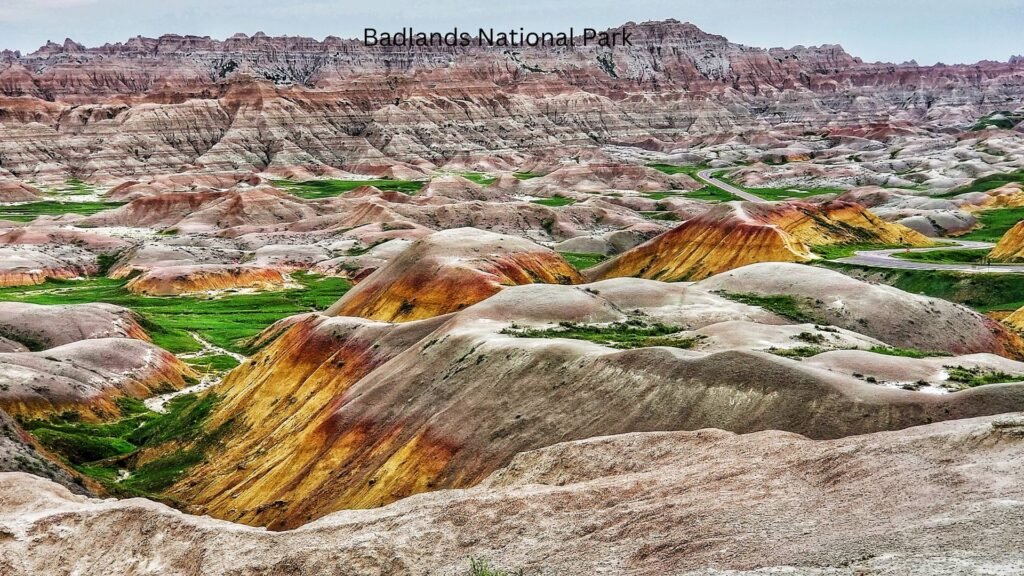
point(929, 31)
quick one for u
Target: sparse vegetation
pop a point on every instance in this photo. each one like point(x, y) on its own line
point(797, 352)
point(961, 377)
point(314, 189)
point(1004, 119)
point(781, 194)
point(478, 177)
point(661, 215)
point(527, 175)
point(478, 567)
point(905, 352)
point(781, 304)
point(633, 333)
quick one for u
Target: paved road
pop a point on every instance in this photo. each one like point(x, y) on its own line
point(885, 259)
point(708, 178)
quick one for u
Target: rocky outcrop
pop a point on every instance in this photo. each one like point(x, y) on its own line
point(1011, 246)
point(636, 502)
point(448, 271)
point(86, 377)
point(180, 280)
point(14, 191)
point(40, 327)
point(737, 234)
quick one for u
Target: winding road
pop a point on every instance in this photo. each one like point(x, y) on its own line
point(885, 258)
point(708, 177)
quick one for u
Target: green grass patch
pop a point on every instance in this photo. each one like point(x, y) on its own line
point(946, 256)
point(986, 183)
point(478, 177)
point(582, 261)
point(710, 194)
point(688, 169)
point(82, 448)
point(75, 187)
point(905, 352)
point(622, 335)
point(213, 363)
point(781, 194)
point(1003, 119)
point(836, 251)
point(100, 450)
point(315, 189)
point(527, 175)
point(994, 224)
point(781, 304)
point(554, 201)
point(227, 321)
point(961, 377)
point(661, 215)
point(31, 210)
point(662, 195)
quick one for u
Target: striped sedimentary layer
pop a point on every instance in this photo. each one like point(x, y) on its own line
point(740, 233)
point(448, 271)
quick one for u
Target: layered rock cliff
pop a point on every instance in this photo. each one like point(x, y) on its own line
point(160, 105)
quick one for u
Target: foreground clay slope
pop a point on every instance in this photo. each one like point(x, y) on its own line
point(741, 233)
point(936, 499)
point(448, 271)
point(347, 412)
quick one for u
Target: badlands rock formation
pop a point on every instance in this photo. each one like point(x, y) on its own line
point(934, 499)
point(42, 327)
point(345, 412)
point(883, 312)
point(86, 377)
point(737, 234)
point(475, 394)
point(298, 106)
point(448, 271)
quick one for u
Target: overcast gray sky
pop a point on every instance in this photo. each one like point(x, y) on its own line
point(949, 31)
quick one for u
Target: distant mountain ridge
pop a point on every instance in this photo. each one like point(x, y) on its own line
point(267, 103)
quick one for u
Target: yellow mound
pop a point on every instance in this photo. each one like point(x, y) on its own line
point(738, 234)
point(1011, 246)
